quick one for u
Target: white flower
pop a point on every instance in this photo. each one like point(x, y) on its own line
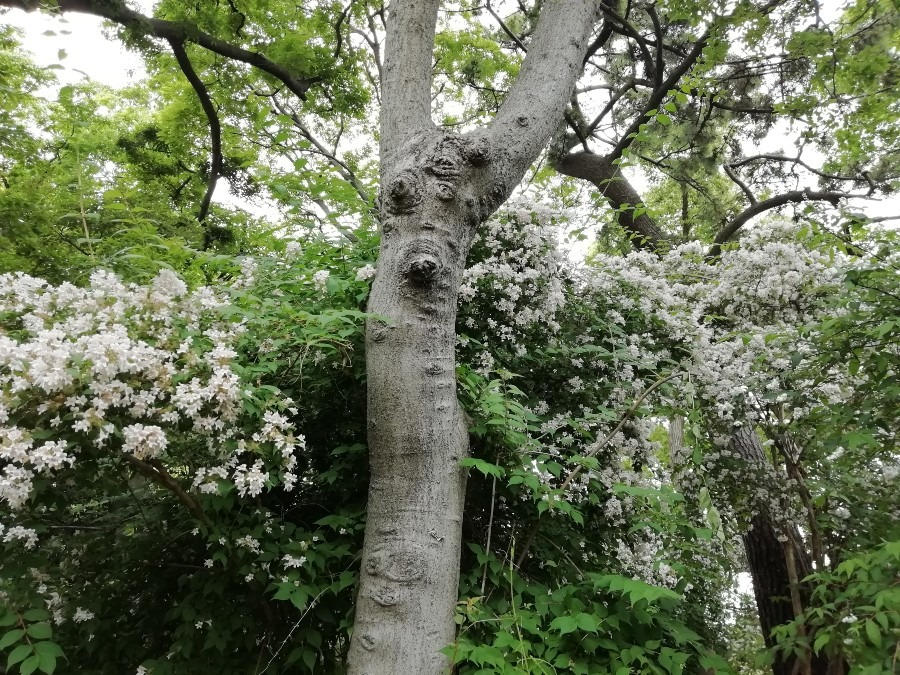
point(167, 286)
point(82, 615)
point(291, 561)
point(250, 480)
point(17, 532)
point(320, 279)
point(365, 272)
point(144, 442)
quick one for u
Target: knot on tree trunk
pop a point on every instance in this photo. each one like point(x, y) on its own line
point(421, 262)
point(404, 192)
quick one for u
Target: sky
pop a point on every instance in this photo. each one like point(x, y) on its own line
point(79, 39)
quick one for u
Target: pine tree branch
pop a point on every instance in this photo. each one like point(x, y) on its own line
point(794, 196)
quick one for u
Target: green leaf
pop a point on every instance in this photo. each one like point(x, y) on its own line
point(47, 662)
point(486, 468)
point(11, 637)
point(36, 614)
point(48, 649)
point(587, 622)
point(873, 633)
point(18, 654)
point(29, 665)
point(564, 624)
point(309, 658)
point(40, 631)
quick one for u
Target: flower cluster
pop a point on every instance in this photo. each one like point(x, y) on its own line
point(137, 372)
point(516, 282)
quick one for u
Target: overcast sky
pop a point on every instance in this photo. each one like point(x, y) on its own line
point(88, 53)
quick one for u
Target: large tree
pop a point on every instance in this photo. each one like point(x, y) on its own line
point(437, 189)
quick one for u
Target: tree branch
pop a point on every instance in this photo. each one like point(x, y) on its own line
point(627, 30)
point(618, 192)
point(658, 95)
point(613, 99)
point(729, 169)
point(657, 29)
point(797, 160)
point(505, 28)
point(536, 103)
point(154, 470)
point(794, 196)
point(117, 12)
point(343, 169)
point(212, 117)
point(406, 75)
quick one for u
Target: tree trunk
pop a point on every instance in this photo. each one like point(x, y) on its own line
point(772, 566)
point(437, 188)
point(618, 192)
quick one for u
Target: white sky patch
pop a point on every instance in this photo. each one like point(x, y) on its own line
point(76, 47)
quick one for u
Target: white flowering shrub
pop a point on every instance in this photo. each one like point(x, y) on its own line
point(154, 481)
point(552, 360)
point(117, 373)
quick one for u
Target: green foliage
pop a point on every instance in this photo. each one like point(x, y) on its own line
point(854, 612)
point(28, 638)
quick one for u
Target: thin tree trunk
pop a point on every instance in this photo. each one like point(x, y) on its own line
point(437, 188)
point(777, 568)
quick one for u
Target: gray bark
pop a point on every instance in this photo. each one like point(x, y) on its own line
point(437, 188)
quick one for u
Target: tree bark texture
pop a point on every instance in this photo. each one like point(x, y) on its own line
point(772, 588)
point(437, 188)
point(618, 192)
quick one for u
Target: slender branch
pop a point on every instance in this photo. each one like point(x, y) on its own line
point(212, 117)
point(657, 29)
point(797, 160)
point(625, 417)
point(795, 196)
point(506, 29)
point(742, 109)
point(630, 31)
point(487, 544)
point(613, 99)
point(658, 95)
point(729, 169)
point(117, 12)
point(154, 470)
point(338, 36)
point(343, 169)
